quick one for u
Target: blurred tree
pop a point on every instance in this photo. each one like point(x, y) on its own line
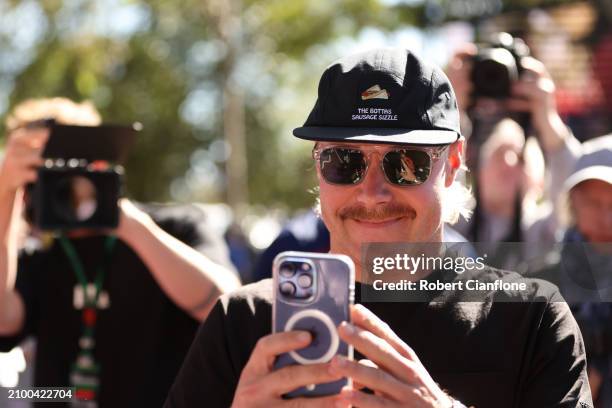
point(192, 72)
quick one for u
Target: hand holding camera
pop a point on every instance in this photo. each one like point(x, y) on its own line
point(535, 94)
point(500, 78)
point(78, 181)
point(130, 219)
point(22, 157)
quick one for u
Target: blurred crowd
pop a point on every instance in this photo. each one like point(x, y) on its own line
point(533, 182)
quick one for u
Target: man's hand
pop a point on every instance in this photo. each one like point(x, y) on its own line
point(393, 370)
point(22, 156)
point(260, 386)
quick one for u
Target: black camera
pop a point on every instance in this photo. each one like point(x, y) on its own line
point(81, 180)
point(497, 65)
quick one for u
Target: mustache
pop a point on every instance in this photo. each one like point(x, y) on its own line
point(377, 213)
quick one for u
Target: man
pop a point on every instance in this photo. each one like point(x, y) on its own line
point(388, 148)
point(123, 345)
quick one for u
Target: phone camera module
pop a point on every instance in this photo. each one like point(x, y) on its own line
point(287, 269)
point(287, 288)
point(304, 280)
point(297, 279)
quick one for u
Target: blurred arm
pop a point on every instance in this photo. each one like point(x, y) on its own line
point(188, 277)
point(560, 163)
point(11, 305)
point(22, 156)
point(535, 93)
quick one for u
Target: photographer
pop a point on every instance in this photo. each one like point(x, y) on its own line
point(515, 199)
point(151, 289)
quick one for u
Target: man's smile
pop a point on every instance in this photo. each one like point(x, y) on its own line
point(377, 223)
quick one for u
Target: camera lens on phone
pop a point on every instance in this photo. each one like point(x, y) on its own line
point(287, 288)
point(304, 280)
point(287, 270)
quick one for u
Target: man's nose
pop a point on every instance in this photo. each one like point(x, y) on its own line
point(375, 188)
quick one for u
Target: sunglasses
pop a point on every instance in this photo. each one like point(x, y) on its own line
point(401, 166)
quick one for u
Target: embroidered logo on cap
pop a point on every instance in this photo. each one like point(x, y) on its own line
point(374, 92)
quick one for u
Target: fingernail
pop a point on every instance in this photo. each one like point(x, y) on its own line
point(347, 328)
point(304, 336)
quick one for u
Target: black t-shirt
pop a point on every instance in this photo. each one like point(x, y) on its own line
point(141, 339)
point(486, 354)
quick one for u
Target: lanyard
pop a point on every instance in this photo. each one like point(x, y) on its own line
point(85, 371)
point(79, 270)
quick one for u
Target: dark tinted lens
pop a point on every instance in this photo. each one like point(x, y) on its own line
point(342, 166)
point(407, 167)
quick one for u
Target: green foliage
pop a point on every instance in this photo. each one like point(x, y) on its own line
point(149, 74)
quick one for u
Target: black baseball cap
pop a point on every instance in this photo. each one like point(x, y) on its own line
point(384, 95)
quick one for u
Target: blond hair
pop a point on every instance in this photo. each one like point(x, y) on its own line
point(63, 110)
point(458, 202)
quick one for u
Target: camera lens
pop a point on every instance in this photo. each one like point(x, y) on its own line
point(494, 71)
point(287, 288)
point(287, 270)
point(304, 280)
point(76, 199)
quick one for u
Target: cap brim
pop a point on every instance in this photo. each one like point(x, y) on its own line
point(374, 135)
point(603, 173)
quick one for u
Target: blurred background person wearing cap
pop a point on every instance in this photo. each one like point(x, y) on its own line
point(155, 290)
point(582, 266)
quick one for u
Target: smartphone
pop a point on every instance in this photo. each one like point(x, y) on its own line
point(313, 292)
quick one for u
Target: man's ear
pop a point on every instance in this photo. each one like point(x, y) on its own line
point(454, 161)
